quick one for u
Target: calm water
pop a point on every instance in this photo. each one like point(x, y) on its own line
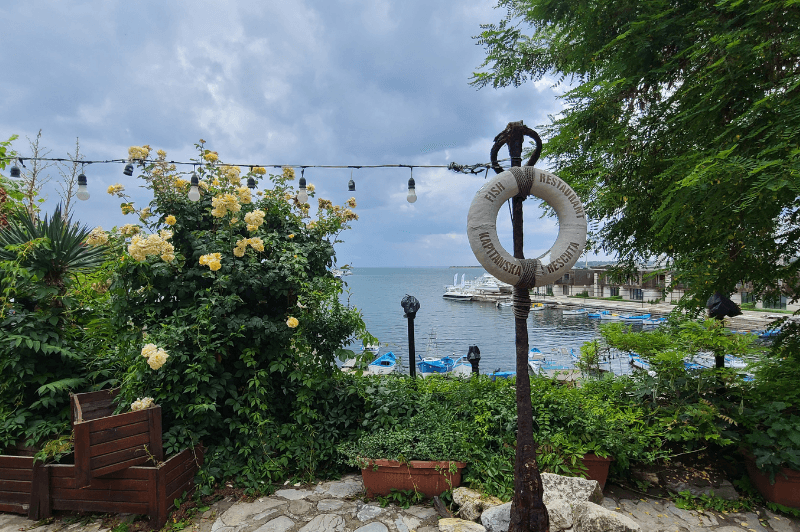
point(456, 325)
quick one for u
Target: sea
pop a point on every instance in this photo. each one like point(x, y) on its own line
point(445, 327)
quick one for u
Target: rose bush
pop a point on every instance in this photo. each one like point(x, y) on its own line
point(236, 288)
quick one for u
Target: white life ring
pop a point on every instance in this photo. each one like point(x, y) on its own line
point(482, 226)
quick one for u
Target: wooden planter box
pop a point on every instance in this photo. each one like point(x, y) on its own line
point(106, 443)
point(16, 481)
point(430, 478)
point(146, 490)
point(108, 473)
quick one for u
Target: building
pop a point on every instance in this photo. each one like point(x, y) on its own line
point(648, 285)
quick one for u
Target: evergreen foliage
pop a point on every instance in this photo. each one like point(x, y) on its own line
point(680, 129)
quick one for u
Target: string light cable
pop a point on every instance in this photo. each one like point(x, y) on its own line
point(83, 192)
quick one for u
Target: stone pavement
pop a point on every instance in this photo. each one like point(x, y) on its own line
point(336, 507)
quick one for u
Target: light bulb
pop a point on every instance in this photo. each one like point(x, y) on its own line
point(302, 196)
point(412, 194)
point(82, 193)
point(194, 192)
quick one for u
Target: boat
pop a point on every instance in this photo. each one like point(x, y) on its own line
point(636, 319)
point(610, 317)
point(651, 322)
point(447, 365)
point(538, 364)
point(497, 374)
point(536, 307)
point(372, 348)
point(383, 365)
point(456, 294)
point(598, 315)
point(488, 284)
point(456, 291)
point(574, 312)
point(341, 273)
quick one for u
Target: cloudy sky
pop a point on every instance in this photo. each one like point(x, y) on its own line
point(339, 82)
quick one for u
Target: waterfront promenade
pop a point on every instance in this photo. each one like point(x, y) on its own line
point(337, 507)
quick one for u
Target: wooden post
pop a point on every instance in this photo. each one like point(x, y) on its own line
point(40, 507)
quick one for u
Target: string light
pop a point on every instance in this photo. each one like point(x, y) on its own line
point(83, 193)
point(302, 195)
point(412, 193)
point(15, 173)
point(194, 191)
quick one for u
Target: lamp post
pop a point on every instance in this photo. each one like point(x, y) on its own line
point(474, 358)
point(410, 307)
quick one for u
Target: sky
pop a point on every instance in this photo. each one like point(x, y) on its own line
point(341, 82)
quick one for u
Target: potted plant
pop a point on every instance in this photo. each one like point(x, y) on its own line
point(425, 454)
point(772, 452)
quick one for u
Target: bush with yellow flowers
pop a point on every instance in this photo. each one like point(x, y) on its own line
point(237, 288)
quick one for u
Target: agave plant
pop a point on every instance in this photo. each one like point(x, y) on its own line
point(51, 250)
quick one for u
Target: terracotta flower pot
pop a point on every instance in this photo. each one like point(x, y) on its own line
point(430, 478)
point(785, 491)
point(597, 468)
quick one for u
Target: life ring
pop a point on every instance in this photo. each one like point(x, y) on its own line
point(482, 226)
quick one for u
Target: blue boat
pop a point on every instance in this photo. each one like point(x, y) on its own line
point(598, 315)
point(453, 365)
point(502, 374)
point(383, 365)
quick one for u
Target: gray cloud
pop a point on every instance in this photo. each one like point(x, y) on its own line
point(342, 82)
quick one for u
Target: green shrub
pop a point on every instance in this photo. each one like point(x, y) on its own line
point(232, 302)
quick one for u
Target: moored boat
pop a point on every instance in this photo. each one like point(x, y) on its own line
point(574, 312)
point(598, 315)
point(447, 365)
point(383, 365)
point(635, 319)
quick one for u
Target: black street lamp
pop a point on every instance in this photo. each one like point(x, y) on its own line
point(474, 357)
point(410, 307)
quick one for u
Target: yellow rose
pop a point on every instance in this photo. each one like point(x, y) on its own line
point(292, 322)
point(291, 235)
point(170, 220)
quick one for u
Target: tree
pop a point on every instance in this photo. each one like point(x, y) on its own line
point(680, 129)
point(68, 184)
point(35, 178)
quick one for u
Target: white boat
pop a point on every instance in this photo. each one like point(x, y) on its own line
point(574, 312)
point(456, 291)
point(636, 319)
point(456, 294)
point(652, 322)
point(611, 317)
point(341, 273)
point(372, 348)
point(537, 307)
point(488, 284)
